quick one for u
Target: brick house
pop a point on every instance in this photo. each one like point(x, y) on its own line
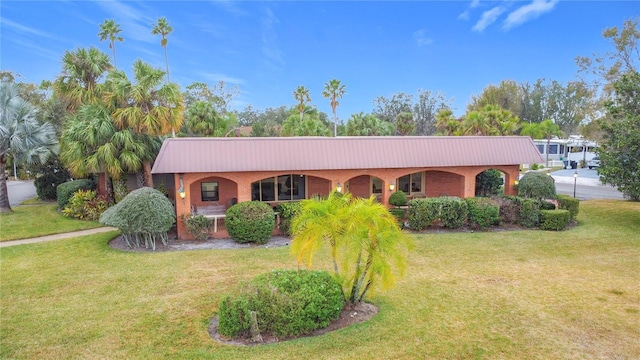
point(222, 171)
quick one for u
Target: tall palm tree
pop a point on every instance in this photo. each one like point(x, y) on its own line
point(82, 71)
point(110, 30)
point(302, 97)
point(475, 123)
point(21, 136)
point(334, 90)
point(163, 29)
point(149, 108)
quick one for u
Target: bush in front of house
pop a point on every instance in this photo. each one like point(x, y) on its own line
point(566, 202)
point(86, 205)
point(529, 215)
point(537, 185)
point(483, 212)
point(47, 183)
point(250, 222)
point(510, 208)
point(198, 226)
point(143, 216)
point(453, 212)
point(287, 211)
point(65, 191)
point(554, 219)
point(286, 303)
point(422, 212)
point(398, 198)
point(398, 213)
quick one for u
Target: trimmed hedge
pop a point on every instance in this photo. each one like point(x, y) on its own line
point(510, 208)
point(554, 219)
point(398, 198)
point(65, 191)
point(530, 213)
point(537, 185)
point(567, 202)
point(422, 212)
point(250, 221)
point(453, 212)
point(288, 210)
point(483, 212)
point(143, 216)
point(286, 303)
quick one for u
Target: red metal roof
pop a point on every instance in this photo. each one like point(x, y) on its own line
point(189, 155)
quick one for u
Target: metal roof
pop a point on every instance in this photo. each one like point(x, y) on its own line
point(189, 155)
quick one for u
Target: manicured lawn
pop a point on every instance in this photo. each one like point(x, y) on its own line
point(38, 219)
point(505, 295)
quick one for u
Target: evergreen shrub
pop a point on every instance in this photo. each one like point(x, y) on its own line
point(483, 212)
point(510, 208)
point(144, 216)
point(198, 226)
point(398, 213)
point(554, 219)
point(422, 212)
point(47, 184)
point(567, 202)
point(453, 212)
point(288, 210)
point(250, 221)
point(398, 198)
point(530, 214)
point(287, 303)
point(65, 191)
point(537, 185)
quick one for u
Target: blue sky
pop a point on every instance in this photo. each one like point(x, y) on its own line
point(376, 48)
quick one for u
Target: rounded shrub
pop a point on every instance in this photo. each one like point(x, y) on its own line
point(537, 185)
point(554, 219)
point(65, 191)
point(483, 212)
point(510, 208)
point(143, 216)
point(398, 198)
point(250, 221)
point(286, 303)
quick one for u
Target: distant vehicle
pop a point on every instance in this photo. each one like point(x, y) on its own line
point(593, 163)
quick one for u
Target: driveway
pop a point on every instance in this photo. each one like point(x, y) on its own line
point(20, 191)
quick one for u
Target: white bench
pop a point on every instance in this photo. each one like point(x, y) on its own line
point(213, 212)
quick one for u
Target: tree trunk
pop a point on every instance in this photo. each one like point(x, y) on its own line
point(148, 178)
point(5, 206)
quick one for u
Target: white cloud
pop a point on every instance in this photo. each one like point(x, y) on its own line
point(465, 15)
point(273, 54)
point(528, 12)
point(215, 77)
point(26, 30)
point(421, 38)
point(135, 23)
point(488, 17)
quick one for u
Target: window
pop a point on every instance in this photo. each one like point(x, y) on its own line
point(540, 149)
point(209, 191)
point(410, 183)
point(280, 188)
point(553, 148)
point(376, 185)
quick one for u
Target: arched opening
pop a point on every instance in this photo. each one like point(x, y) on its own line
point(213, 190)
point(490, 183)
point(442, 183)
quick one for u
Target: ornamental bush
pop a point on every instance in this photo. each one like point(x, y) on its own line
point(483, 212)
point(398, 213)
point(198, 226)
point(510, 208)
point(250, 221)
point(423, 212)
point(287, 211)
point(530, 213)
point(453, 212)
point(398, 198)
point(144, 216)
point(537, 185)
point(554, 219)
point(86, 205)
point(47, 183)
point(567, 202)
point(65, 191)
point(286, 302)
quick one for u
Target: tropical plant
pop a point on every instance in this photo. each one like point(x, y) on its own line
point(368, 125)
point(367, 246)
point(163, 29)
point(65, 191)
point(447, 124)
point(21, 136)
point(110, 30)
point(334, 90)
point(301, 94)
point(86, 205)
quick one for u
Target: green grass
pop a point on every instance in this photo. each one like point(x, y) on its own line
point(38, 218)
point(503, 295)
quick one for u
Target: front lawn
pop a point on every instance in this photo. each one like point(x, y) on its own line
point(39, 219)
point(498, 295)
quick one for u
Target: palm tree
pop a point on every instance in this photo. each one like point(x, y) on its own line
point(447, 124)
point(543, 130)
point(82, 71)
point(21, 136)
point(367, 246)
point(302, 97)
point(475, 123)
point(149, 108)
point(163, 29)
point(110, 30)
point(334, 90)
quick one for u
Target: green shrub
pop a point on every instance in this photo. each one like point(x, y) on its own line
point(453, 212)
point(143, 216)
point(423, 212)
point(510, 208)
point(65, 191)
point(198, 226)
point(398, 213)
point(566, 202)
point(489, 182)
point(398, 198)
point(287, 303)
point(534, 166)
point(86, 205)
point(250, 221)
point(537, 185)
point(288, 210)
point(530, 213)
point(554, 219)
point(483, 212)
point(546, 205)
point(47, 183)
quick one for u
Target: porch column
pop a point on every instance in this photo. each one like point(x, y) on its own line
point(510, 178)
point(183, 206)
point(386, 190)
point(469, 189)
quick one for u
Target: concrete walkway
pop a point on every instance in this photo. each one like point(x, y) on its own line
point(57, 236)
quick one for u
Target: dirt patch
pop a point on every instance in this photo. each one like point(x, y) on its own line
point(349, 316)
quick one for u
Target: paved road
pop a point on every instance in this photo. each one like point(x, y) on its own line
point(587, 185)
point(20, 191)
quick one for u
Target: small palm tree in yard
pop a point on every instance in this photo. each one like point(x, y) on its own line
point(367, 247)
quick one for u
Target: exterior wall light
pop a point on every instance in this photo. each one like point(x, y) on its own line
point(181, 191)
point(392, 185)
point(339, 187)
